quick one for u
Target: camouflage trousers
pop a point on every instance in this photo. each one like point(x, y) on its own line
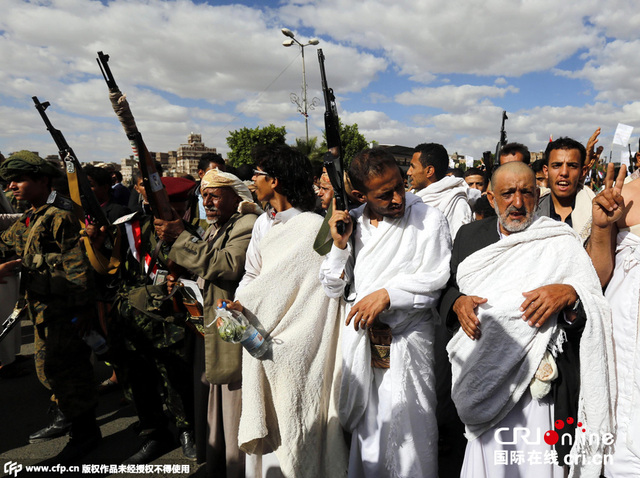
point(153, 365)
point(63, 364)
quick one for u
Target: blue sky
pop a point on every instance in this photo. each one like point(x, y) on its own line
point(406, 73)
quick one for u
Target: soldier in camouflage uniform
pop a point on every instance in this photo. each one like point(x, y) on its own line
point(58, 288)
point(147, 339)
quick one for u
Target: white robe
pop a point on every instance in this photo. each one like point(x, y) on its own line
point(488, 381)
point(451, 196)
point(623, 293)
point(391, 413)
point(289, 396)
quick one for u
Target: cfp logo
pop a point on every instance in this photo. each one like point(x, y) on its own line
point(12, 468)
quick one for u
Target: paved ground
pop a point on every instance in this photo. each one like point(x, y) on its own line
point(23, 410)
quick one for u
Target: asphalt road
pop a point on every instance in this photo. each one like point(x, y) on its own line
point(23, 410)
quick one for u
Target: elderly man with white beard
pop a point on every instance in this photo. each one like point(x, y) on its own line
point(527, 283)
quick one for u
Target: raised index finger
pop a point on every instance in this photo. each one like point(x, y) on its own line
point(608, 179)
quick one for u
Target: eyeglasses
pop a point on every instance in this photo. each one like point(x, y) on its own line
point(257, 172)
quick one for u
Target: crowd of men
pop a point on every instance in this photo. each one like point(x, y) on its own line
point(474, 325)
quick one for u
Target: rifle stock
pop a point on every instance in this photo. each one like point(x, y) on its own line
point(156, 193)
point(333, 161)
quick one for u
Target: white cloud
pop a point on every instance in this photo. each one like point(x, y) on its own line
point(215, 68)
point(428, 37)
point(613, 71)
point(452, 98)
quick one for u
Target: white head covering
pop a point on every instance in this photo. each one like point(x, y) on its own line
point(214, 178)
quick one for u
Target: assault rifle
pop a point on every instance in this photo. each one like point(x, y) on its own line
point(87, 201)
point(333, 158)
point(503, 139)
point(83, 198)
point(156, 193)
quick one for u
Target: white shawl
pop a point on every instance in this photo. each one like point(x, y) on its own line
point(623, 293)
point(489, 379)
point(409, 257)
point(289, 397)
point(449, 195)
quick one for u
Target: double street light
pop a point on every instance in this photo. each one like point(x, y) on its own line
point(303, 106)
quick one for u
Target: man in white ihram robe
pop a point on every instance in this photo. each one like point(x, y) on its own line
point(395, 265)
point(502, 378)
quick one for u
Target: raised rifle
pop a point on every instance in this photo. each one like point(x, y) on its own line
point(156, 193)
point(87, 201)
point(83, 198)
point(503, 139)
point(333, 162)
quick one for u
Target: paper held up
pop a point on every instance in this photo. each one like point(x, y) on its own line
point(622, 134)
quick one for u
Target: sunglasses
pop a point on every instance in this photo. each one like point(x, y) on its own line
point(257, 172)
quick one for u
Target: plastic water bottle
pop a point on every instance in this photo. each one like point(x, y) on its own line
point(94, 340)
point(234, 327)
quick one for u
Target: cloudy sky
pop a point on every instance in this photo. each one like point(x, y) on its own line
point(406, 72)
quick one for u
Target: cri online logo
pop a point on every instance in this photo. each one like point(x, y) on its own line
point(511, 436)
point(551, 437)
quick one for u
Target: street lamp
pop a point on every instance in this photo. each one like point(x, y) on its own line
point(302, 105)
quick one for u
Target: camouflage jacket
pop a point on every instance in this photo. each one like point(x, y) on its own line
point(55, 271)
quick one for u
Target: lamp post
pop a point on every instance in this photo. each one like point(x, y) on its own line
point(303, 106)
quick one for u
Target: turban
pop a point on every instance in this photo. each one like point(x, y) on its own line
point(26, 162)
point(214, 178)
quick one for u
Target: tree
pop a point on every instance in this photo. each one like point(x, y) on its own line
point(242, 142)
point(307, 147)
point(352, 142)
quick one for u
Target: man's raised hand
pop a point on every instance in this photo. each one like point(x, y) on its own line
point(593, 155)
point(608, 206)
point(169, 231)
point(340, 240)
